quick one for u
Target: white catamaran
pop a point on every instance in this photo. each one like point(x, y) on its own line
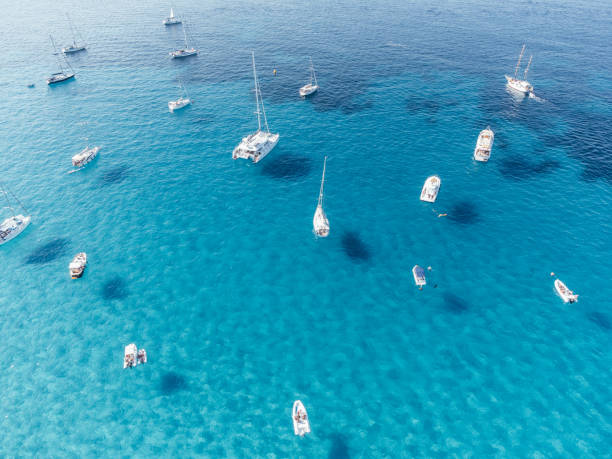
point(15, 224)
point(482, 152)
point(515, 83)
point(75, 46)
point(257, 145)
point(320, 223)
point(310, 88)
point(65, 71)
point(186, 51)
point(181, 102)
point(172, 19)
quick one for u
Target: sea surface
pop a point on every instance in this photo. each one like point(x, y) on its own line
point(211, 265)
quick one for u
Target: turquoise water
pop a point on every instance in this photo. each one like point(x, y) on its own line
point(210, 264)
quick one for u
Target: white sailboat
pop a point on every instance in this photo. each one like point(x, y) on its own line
point(186, 51)
point(310, 88)
point(521, 86)
point(12, 226)
point(85, 156)
point(484, 144)
point(430, 189)
point(172, 19)
point(133, 356)
point(301, 424)
point(77, 265)
point(320, 223)
point(75, 47)
point(257, 145)
point(181, 102)
point(65, 70)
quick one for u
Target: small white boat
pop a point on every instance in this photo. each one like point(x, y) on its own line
point(142, 356)
point(320, 223)
point(77, 265)
point(301, 424)
point(65, 71)
point(179, 103)
point(484, 144)
point(85, 156)
point(565, 293)
point(12, 226)
point(430, 189)
point(130, 356)
point(310, 88)
point(172, 19)
point(419, 276)
point(186, 51)
point(257, 145)
point(75, 47)
point(516, 84)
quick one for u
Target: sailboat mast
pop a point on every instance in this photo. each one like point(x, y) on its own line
point(71, 30)
point(184, 35)
point(527, 69)
point(322, 183)
point(256, 92)
point(518, 64)
point(313, 75)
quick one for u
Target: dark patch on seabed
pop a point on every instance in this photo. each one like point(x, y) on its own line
point(355, 248)
point(454, 303)
point(172, 382)
point(114, 289)
point(114, 175)
point(599, 318)
point(521, 168)
point(464, 212)
point(287, 167)
point(48, 252)
point(339, 448)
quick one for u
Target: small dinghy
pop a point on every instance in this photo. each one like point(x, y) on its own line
point(430, 189)
point(419, 276)
point(565, 293)
point(77, 265)
point(301, 424)
point(130, 356)
point(142, 356)
point(85, 156)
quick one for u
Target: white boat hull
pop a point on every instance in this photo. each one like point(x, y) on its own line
point(565, 293)
point(77, 266)
point(308, 90)
point(13, 227)
point(484, 144)
point(59, 77)
point(430, 190)
point(130, 356)
point(320, 223)
point(178, 104)
point(419, 276)
point(180, 53)
point(72, 49)
point(256, 146)
point(521, 86)
point(85, 156)
point(301, 423)
point(171, 21)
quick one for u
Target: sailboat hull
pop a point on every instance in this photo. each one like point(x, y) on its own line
point(55, 79)
point(72, 49)
point(181, 53)
point(13, 227)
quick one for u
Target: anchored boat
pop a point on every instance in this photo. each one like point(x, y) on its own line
point(522, 86)
point(320, 223)
point(172, 19)
point(181, 102)
point(430, 189)
point(301, 424)
point(310, 88)
point(186, 51)
point(133, 356)
point(65, 71)
point(74, 47)
point(85, 156)
point(565, 293)
point(12, 226)
point(77, 265)
point(257, 145)
point(482, 152)
point(419, 276)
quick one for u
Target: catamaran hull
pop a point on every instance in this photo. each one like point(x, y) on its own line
point(255, 155)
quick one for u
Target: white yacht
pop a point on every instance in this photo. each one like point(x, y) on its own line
point(517, 84)
point(482, 152)
point(257, 145)
point(75, 46)
point(85, 156)
point(172, 19)
point(77, 265)
point(301, 424)
point(419, 276)
point(186, 51)
point(12, 226)
point(65, 71)
point(310, 88)
point(430, 189)
point(181, 102)
point(130, 356)
point(565, 293)
point(320, 223)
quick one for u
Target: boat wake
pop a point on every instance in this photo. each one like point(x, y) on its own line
point(74, 170)
point(396, 45)
point(536, 98)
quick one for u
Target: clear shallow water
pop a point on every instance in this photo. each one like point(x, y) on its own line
point(210, 264)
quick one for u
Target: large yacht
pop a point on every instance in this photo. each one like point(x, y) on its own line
point(14, 225)
point(430, 189)
point(257, 145)
point(186, 51)
point(65, 71)
point(172, 19)
point(517, 84)
point(482, 152)
point(75, 46)
point(85, 156)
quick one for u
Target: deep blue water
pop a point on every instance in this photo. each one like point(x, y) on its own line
point(210, 264)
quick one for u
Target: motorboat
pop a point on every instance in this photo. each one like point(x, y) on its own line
point(430, 189)
point(257, 145)
point(12, 227)
point(179, 103)
point(142, 356)
point(130, 358)
point(172, 19)
point(186, 51)
point(77, 265)
point(310, 88)
point(320, 223)
point(515, 83)
point(85, 156)
point(565, 293)
point(482, 152)
point(301, 424)
point(419, 276)
point(65, 70)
